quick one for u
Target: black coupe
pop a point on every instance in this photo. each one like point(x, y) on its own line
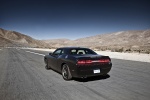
point(77, 62)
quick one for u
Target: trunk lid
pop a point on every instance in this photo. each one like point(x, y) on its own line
point(92, 59)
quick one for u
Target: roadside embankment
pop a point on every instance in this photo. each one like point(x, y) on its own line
point(125, 56)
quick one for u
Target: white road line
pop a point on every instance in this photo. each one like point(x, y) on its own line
point(36, 53)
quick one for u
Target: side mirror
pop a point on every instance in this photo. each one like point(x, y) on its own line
point(50, 53)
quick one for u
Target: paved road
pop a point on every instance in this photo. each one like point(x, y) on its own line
point(23, 77)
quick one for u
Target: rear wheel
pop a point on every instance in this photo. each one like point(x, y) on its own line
point(66, 72)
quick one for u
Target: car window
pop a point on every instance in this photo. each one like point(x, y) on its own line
point(73, 52)
point(62, 52)
point(89, 52)
point(81, 51)
point(57, 52)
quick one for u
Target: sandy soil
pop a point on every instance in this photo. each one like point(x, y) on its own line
point(117, 55)
point(126, 56)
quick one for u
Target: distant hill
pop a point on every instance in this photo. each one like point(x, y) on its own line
point(57, 42)
point(123, 41)
point(12, 38)
point(117, 41)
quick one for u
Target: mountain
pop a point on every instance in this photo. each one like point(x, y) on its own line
point(123, 39)
point(117, 41)
point(138, 41)
point(58, 42)
point(12, 38)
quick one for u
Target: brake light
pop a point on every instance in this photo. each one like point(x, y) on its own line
point(81, 62)
point(104, 60)
point(84, 62)
point(88, 61)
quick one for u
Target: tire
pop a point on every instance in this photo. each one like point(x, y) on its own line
point(47, 66)
point(66, 72)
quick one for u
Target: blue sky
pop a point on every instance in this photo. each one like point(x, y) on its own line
point(72, 19)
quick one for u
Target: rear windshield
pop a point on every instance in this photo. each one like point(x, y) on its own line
point(81, 51)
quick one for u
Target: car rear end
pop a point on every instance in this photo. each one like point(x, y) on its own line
point(92, 66)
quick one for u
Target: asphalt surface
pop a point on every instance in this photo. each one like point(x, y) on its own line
point(23, 77)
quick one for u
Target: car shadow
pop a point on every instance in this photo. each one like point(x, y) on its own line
point(95, 78)
point(88, 79)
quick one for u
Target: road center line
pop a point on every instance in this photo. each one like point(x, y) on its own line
point(36, 53)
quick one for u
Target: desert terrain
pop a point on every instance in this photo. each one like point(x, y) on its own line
point(128, 45)
point(23, 75)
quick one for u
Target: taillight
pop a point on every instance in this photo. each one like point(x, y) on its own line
point(82, 62)
point(88, 61)
point(79, 62)
point(104, 60)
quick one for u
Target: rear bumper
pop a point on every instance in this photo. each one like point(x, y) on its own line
point(88, 70)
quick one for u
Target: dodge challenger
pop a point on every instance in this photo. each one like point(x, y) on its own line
point(77, 62)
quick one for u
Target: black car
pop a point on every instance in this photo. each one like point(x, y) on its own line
point(77, 62)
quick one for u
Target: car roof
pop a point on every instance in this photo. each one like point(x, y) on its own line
point(72, 48)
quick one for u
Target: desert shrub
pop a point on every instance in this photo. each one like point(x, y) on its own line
point(119, 50)
point(147, 52)
point(128, 50)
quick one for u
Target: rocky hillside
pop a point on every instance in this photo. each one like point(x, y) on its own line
point(12, 38)
point(58, 42)
point(124, 39)
point(127, 41)
point(117, 41)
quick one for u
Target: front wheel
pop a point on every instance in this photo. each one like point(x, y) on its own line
point(46, 66)
point(66, 72)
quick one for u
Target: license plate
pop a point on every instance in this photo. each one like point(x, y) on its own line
point(97, 71)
